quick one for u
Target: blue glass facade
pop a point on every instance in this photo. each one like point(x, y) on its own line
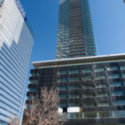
point(16, 43)
point(75, 34)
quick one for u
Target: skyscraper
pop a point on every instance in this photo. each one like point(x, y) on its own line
point(75, 34)
point(16, 41)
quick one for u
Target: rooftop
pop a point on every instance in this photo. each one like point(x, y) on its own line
point(78, 61)
point(19, 5)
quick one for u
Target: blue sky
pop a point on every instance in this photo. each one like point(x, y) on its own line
point(108, 18)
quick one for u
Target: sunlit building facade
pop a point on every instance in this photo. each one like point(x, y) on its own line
point(75, 33)
point(16, 41)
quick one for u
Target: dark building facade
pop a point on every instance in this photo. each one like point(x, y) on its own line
point(75, 34)
point(91, 89)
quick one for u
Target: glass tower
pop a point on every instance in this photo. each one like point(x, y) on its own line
point(16, 41)
point(75, 34)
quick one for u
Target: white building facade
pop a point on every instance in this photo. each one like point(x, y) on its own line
point(16, 41)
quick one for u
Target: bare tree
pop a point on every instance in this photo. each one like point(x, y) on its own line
point(14, 121)
point(44, 109)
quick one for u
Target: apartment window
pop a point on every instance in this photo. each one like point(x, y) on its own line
point(74, 79)
point(114, 76)
point(116, 84)
point(87, 86)
point(101, 94)
point(113, 68)
point(100, 77)
point(74, 96)
point(34, 74)
point(104, 114)
point(75, 115)
point(88, 95)
point(101, 85)
point(62, 96)
point(118, 93)
point(72, 104)
point(123, 75)
point(90, 114)
point(118, 114)
point(33, 82)
point(86, 70)
point(86, 78)
point(62, 80)
point(32, 89)
point(99, 69)
point(73, 71)
point(62, 72)
point(119, 102)
point(62, 87)
point(90, 104)
point(73, 87)
point(101, 104)
point(122, 67)
point(63, 105)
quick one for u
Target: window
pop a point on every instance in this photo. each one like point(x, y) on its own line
point(100, 77)
point(62, 80)
point(72, 104)
point(33, 82)
point(114, 76)
point(91, 104)
point(87, 95)
point(61, 72)
point(74, 96)
point(118, 114)
point(86, 70)
point(87, 86)
point(104, 114)
point(74, 79)
point(75, 115)
point(34, 74)
point(62, 96)
point(101, 85)
point(113, 68)
point(115, 84)
point(33, 89)
point(86, 78)
point(99, 69)
point(119, 102)
point(123, 75)
point(63, 105)
point(102, 94)
point(118, 93)
point(100, 104)
point(62, 87)
point(73, 71)
point(73, 87)
point(90, 114)
point(122, 67)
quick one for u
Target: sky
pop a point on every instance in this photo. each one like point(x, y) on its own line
point(108, 19)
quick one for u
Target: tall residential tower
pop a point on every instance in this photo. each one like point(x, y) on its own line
point(16, 43)
point(75, 34)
